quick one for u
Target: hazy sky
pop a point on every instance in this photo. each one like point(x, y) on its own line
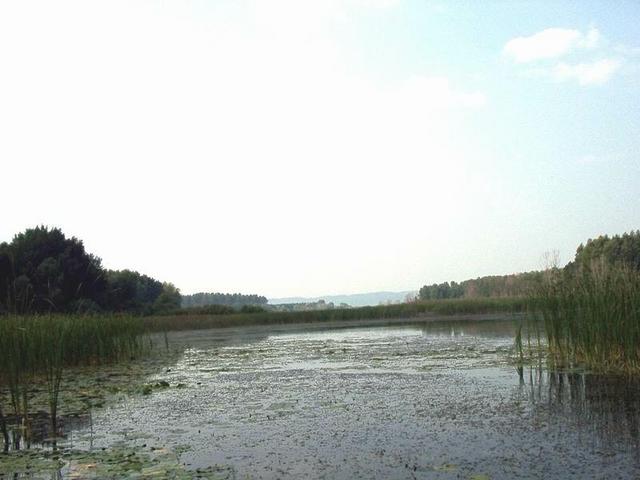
point(307, 148)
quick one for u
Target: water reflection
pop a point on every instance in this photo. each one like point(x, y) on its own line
point(605, 405)
point(485, 329)
point(324, 391)
point(37, 432)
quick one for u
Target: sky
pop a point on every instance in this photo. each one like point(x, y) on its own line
point(294, 147)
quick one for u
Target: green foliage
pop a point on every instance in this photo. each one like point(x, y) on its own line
point(441, 291)
point(619, 249)
point(251, 309)
point(515, 285)
point(206, 310)
point(592, 316)
point(300, 306)
point(130, 291)
point(591, 308)
point(235, 300)
point(36, 349)
point(43, 271)
point(168, 300)
point(401, 310)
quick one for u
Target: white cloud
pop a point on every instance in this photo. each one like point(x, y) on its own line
point(592, 39)
point(311, 14)
point(436, 93)
point(550, 43)
point(627, 50)
point(554, 43)
point(376, 3)
point(592, 73)
point(600, 158)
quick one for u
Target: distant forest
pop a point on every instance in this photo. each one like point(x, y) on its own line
point(618, 249)
point(235, 300)
point(43, 271)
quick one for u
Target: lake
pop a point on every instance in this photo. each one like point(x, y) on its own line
point(437, 400)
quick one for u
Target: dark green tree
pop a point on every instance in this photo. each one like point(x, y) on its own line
point(130, 291)
point(235, 300)
point(619, 249)
point(169, 300)
point(43, 271)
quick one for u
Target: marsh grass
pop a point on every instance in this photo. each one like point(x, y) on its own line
point(36, 350)
point(591, 318)
point(401, 310)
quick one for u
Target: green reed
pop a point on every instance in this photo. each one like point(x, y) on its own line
point(36, 350)
point(591, 317)
point(466, 306)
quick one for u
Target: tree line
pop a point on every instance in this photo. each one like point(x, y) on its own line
point(233, 300)
point(514, 285)
point(43, 271)
point(614, 250)
point(618, 249)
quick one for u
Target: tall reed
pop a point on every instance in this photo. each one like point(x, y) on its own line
point(3, 427)
point(37, 349)
point(592, 317)
point(458, 306)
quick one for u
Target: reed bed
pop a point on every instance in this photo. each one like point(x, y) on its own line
point(591, 318)
point(35, 350)
point(402, 310)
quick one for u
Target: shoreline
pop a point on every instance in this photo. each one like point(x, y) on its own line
point(355, 323)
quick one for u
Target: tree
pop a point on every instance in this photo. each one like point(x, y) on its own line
point(43, 271)
point(235, 300)
point(130, 291)
point(619, 249)
point(169, 300)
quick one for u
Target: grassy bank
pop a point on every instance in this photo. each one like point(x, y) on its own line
point(402, 310)
point(592, 318)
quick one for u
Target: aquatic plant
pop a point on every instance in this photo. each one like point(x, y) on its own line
point(36, 350)
point(464, 306)
point(591, 317)
point(3, 427)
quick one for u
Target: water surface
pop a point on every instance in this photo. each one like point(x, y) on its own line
point(413, 400)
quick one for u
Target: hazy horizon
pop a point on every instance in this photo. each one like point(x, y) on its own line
point(294, 148)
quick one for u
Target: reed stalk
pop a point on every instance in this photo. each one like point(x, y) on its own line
point(38, 349)
point(591, 317)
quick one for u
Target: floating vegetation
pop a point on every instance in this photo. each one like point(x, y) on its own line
point(35, 350)
point(441, 402)
point(117, 462)
point(148, 388)
point(446, 467)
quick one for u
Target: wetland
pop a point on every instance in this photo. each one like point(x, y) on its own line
point(442, 399)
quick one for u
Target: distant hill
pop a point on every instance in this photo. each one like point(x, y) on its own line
point(354, 300)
